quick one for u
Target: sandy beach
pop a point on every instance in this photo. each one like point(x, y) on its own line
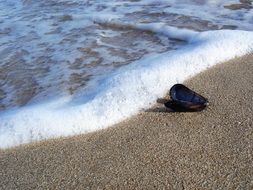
point(212, 149)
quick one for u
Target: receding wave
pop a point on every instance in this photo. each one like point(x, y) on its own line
point(70, 67)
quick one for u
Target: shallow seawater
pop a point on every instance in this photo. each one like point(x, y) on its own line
point(53, 48)
point(75, 66)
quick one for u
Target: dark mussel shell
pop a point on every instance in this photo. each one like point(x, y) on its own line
point(185, 99)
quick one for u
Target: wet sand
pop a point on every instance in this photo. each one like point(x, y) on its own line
point(212, 149)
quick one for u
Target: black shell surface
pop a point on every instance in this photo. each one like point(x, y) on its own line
point(185, 99)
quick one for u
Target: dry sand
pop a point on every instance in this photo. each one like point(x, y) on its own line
point(212, 149)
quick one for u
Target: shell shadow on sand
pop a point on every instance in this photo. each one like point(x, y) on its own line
point(182, 99)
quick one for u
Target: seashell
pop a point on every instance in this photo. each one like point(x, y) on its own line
point(185, 99)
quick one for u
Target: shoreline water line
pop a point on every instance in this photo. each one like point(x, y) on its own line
point(126, 92)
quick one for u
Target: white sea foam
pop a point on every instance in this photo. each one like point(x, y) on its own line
point(127, 91)
point(56, 49)
point(47, 43)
